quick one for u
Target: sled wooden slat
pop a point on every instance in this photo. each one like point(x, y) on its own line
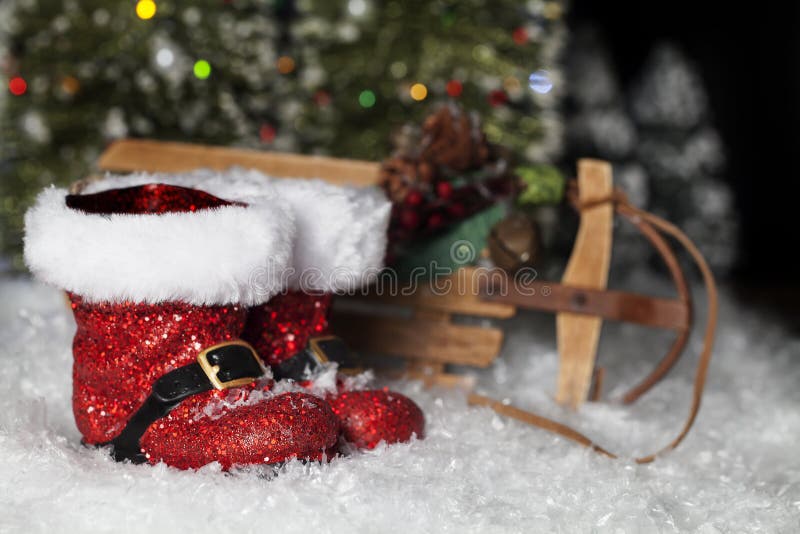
point(654, 312)
point(458, 293)
point(131, 155)
point(417, 338)
point(577, 335)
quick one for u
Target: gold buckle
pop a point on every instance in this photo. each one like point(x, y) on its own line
point(313, 344)
point(211, 371)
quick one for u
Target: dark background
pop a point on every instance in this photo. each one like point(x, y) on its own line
point(749, 57)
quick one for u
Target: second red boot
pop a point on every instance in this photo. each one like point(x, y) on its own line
point(340, 245)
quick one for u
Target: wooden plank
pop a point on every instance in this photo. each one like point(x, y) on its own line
point(130, 155)
point(579, 335)
point(444, 380)
point(463, 296)
point(422, 367)
point(433, 341)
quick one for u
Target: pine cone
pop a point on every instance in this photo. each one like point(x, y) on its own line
point(454, 139)
point(399, 175)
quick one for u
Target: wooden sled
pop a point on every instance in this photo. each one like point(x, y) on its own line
point(425, 333)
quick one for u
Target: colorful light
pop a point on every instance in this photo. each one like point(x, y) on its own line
point(540, 82)
point(285, 64)
point(511, 84)
point(497, 98)
point(552, 10)
point(322, 98)
point(146, 9)
point(70, 85)
point(267, 133)
point(367, 98)
point(202, 69)
point(165, 57)
point(520, 36)
point(418, 92)
point(17, 86)
point(454, 88)
point(357, 7)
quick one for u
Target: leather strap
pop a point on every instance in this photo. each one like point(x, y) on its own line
point(318, 351)
point(222, 366)
point(648, 222)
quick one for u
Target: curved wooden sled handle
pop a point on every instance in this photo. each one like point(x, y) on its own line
point(653, 227)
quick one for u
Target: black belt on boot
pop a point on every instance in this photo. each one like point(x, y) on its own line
point(223, 366)
point(318, 352)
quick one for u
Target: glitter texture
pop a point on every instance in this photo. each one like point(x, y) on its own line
point(146, 199)
point(121, 349)
point(281, 327)
point(369, 417)
point(291, 425)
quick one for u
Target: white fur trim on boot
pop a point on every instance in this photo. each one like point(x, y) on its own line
point(341, 231)
point(341, 234)
point(224, 255)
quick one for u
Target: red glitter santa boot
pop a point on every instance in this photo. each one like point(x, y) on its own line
point(339, 246)
point(159, 278)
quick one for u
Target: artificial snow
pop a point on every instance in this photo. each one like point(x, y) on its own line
point(738, 471)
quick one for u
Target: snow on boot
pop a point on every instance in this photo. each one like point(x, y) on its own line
point(159, 278)
point(340, 245)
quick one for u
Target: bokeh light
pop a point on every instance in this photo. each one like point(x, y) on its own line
point(285, 64)
point(165, 57)
point(202, 69)
point(512, 84)
point(497, 98)
point(520, 36)
point(418, 91)
point(322, 98)
point(454, 88)
point(367, 98)
point(267, 133)
point(540, 82)
point(17, 86)
point(70, 85)
point(145, 9)
point(357, 7)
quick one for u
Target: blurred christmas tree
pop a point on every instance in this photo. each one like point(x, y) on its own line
point(659, 135)
point(311, 76)
point(378, 63)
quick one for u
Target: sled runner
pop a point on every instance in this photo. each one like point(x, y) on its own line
point(419, 326)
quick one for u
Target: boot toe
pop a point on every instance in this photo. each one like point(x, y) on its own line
point(280, 428)
point(369, 417)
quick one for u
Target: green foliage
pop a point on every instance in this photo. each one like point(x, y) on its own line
point(544, 184)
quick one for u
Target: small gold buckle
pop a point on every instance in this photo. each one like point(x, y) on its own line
point(314, 345)
point(319, 353)
point(212, 370)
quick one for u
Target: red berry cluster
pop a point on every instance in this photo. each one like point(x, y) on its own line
point(423, 212)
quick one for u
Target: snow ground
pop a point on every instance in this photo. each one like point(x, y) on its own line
point(737, 472)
